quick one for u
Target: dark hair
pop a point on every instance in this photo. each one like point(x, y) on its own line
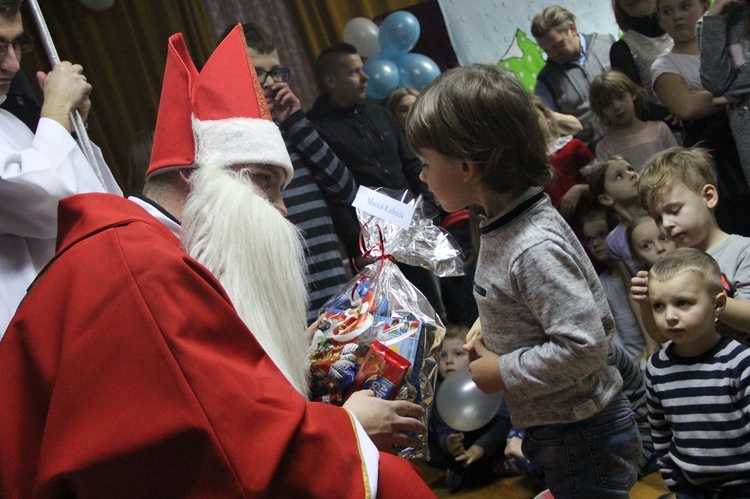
point(10, 8)
point(611, 84)
point(598, 177)
point(624, 21)
point(482, 113)
point(256, 37)
point(328, 60)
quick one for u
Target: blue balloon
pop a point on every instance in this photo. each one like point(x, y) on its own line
point(383, 74)
point(416, 70)
point(398, 33)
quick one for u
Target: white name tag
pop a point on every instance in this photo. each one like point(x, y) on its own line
point(384, 207)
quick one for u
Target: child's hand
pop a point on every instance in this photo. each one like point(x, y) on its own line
point(474, 334)
point(639, 287)
point(570, 200)
point(485, 370)
point(285, 102)
point(472, 455)
point(513, 448)
point(455, 444)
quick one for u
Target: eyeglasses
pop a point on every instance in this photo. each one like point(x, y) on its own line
point(600, 236)
point(278, 74)
point(21, 45)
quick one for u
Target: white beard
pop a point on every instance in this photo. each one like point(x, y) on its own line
point(257, 256)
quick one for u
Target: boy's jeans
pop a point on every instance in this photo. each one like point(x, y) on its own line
point(596, 457)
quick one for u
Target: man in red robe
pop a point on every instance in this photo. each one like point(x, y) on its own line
point(161, 352)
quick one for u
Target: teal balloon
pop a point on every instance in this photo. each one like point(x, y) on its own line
point(384, 77)
point(462, 405)
point(398, 33)
point(416, 70)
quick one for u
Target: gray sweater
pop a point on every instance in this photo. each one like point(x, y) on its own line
point(544, 312)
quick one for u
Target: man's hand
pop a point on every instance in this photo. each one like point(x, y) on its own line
point(65, 89)
point(472, 455)
point(485, 370)
point(387, 422)
point(285, 102)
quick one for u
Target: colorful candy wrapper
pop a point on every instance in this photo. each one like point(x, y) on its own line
point(381, 305)
point(382, 371)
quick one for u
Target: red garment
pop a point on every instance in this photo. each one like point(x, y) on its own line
point(567, 162)
point(127, 373)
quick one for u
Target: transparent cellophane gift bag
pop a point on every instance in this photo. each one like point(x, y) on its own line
point(379, 303)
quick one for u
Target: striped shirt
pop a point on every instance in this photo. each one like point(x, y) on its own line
point(699, 411)
point(316, 168)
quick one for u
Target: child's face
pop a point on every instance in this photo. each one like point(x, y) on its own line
point(444, 177)
point(684, 311)
point(595, 237)
point(686, 215)
point(620, 112)
point(679, 17)
point(621, 182)
point(452, 357)
point(649, 243)
point(403, 108)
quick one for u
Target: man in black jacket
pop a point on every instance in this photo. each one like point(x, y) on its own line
point(368, 140)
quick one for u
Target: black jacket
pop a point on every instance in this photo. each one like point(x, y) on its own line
point(368, 140)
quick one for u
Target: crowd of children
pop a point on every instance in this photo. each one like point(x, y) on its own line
point(620, 300)
point(663, 224)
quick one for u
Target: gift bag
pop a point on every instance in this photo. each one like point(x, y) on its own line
point(380, 332)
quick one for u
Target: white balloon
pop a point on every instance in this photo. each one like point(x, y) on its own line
point(363, 34)
point(462, 405)
point(97, 5)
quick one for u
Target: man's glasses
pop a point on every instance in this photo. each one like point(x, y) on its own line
point(278, 74)
point(21, 45)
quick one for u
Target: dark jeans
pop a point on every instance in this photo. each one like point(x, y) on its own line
point(596, 457)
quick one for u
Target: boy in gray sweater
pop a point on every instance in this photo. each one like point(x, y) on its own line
point(544, 317)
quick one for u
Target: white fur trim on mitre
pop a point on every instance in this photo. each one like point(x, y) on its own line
point(235, 141)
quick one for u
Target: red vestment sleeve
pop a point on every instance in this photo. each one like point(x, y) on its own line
point(127, 373)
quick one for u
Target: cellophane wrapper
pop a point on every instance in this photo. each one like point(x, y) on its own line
point(379, 303)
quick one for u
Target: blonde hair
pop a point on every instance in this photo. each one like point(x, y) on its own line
point(395, 98)
point(482, 113)
point(552, 17)
point(456, 332)
point(611, 84)
point(693, 167)
point(540, 106)
point(682, 260)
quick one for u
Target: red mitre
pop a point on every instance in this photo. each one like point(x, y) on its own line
point(218, 115)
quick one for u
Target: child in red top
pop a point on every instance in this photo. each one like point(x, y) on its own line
point(571, 160)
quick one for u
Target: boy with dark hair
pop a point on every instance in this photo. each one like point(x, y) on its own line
point(699, 384)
